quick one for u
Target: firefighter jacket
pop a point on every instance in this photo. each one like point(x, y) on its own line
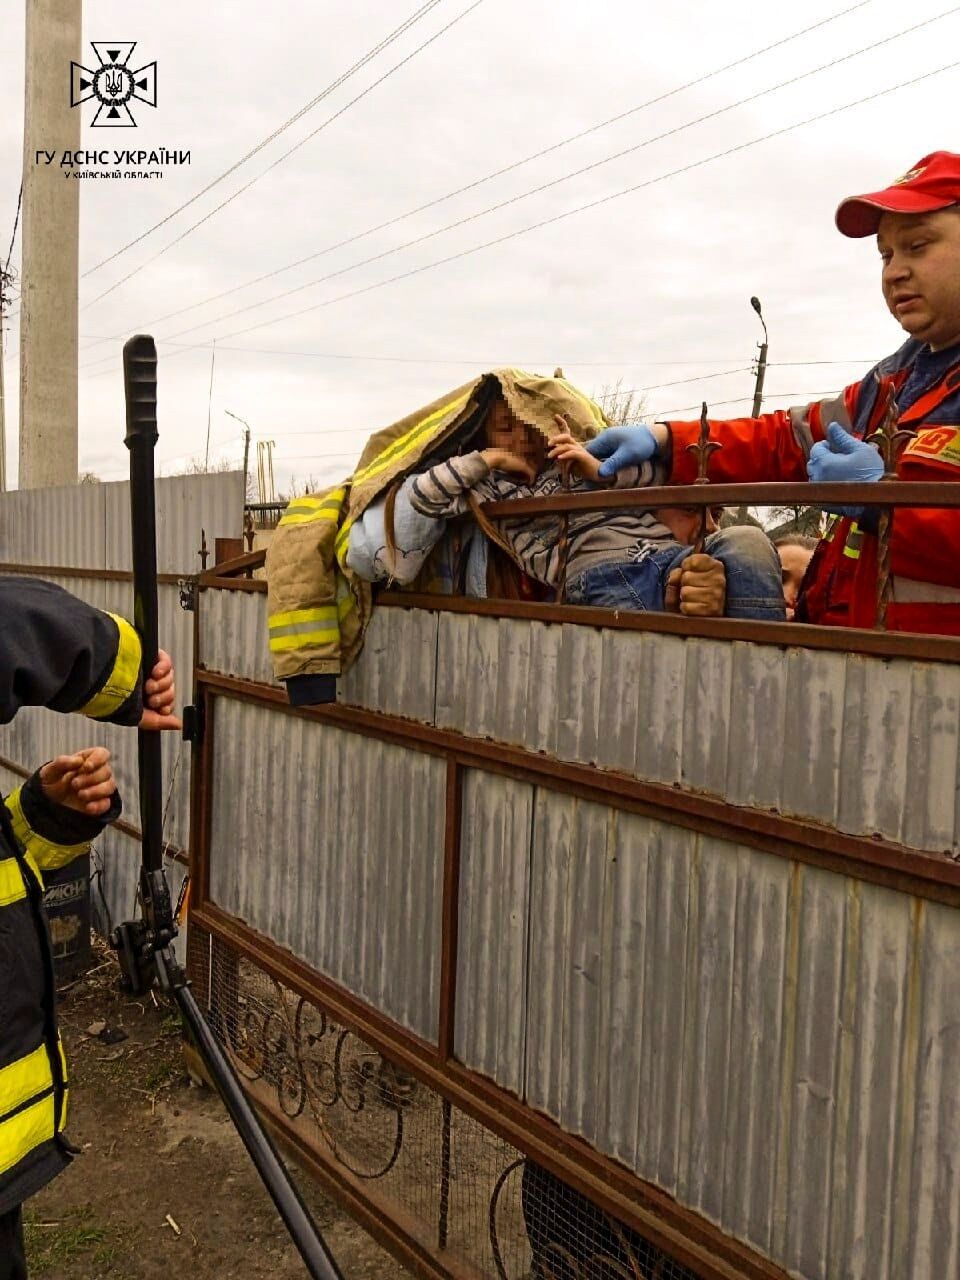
point(56, 652)
point(841, 583)
point(318, 607)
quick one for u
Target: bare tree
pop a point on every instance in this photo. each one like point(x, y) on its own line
point(621, 405)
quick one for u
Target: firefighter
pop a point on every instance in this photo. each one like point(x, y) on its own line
point(57, 652)
point(916, 222)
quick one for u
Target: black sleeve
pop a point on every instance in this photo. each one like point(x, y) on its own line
point(58, 652)
point(56, 823)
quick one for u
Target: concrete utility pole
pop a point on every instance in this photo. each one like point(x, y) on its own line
point(51, 238)
point(3, 393)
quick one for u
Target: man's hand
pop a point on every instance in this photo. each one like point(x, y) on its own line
point(158, 695)
point(697, 588)
point(842, 457)
point(571, 452)
point(504, 460)
point(627, 446)
point(83, 782)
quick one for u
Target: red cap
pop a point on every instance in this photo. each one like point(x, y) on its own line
point(933, 183)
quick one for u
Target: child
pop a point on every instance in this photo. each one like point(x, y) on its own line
point(621, 559)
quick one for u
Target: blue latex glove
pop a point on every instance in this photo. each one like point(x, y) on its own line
point(845, 459)
point(620, 447)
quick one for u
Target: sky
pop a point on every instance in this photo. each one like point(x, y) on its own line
point(649, 289)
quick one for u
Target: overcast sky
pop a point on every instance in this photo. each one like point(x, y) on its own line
point(648, 288)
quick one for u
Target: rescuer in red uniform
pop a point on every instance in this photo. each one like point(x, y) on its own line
point(916, 221)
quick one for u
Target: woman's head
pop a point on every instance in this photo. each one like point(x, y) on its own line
point(795, 551)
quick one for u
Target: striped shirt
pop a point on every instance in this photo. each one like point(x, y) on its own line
point(593, 537)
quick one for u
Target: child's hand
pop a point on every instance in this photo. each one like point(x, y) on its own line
point(504, 460)
point(570, 452)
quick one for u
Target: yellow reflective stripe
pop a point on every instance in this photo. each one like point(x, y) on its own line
point(24, 1079)
point(407, 441)
point(319, 613)
point(122, 679)
point(24, 1131)
point(40, 852)
point(297, 514)
point(342, 538)
point(852, 553)
point(304, 640)
point(12, 888)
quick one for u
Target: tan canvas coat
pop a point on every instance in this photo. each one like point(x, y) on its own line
point(318, 608)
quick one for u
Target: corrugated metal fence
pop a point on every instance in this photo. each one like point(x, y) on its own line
point(770, 1041)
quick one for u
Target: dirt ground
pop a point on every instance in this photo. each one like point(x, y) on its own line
point(156, 1148)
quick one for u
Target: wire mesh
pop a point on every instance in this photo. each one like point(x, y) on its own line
point(482, 1207)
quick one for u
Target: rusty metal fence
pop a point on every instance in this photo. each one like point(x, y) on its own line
point(652, 983)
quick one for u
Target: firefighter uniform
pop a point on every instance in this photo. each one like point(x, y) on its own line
point(841, 582)
point(58, 652)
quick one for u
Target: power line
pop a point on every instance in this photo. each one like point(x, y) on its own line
point(595, 204)
point(16, 223)
point(304, 110)
point(537, 155)
point(296, 147)
point(567, 177)
point(797, 397)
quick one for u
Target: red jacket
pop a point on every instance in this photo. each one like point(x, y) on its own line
point(840, 585)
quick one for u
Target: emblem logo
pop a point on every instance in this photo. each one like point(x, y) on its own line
point(909, 175)
point(114, 84)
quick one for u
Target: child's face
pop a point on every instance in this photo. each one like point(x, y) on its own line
point(503, 431)
point(685, 524)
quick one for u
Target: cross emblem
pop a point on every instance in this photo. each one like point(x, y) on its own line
point(113, 83)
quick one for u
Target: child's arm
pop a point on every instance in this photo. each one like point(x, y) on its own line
point(442, 491)
point(571, 452)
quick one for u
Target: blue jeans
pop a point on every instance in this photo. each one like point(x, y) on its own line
point(751, 563)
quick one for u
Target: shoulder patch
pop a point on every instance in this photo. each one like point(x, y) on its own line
point(942, 443)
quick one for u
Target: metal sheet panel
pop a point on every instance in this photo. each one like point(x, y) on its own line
point(339, 858)
point(63, 526)
point(396, 671)
point(186, 505)
point(233, 634)
point(930, 1199)
point(490, 1027)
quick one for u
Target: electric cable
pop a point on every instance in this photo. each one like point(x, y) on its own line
point(497, 173)
point(796, 397)
point(265, 142)
point(280, 159)
point(16, 223)
point(567, 177)
point(592, 204)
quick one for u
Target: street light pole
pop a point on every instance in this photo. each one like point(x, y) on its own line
point(246, 446)
point(761, 362)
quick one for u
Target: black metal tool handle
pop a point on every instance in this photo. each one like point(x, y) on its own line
point(145, 950)
point(140, 387)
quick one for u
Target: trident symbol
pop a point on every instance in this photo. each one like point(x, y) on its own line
point(114, 84)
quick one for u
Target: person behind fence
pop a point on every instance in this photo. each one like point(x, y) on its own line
point(795, 551)
point(916, 222)
point(56, 652)
point(630, 558)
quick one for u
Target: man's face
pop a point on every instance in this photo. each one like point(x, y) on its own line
point(921, 273)
point(793, 565)
point(504, 431)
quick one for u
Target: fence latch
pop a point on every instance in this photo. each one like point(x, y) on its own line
point(193, 724)
point(188, 593)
